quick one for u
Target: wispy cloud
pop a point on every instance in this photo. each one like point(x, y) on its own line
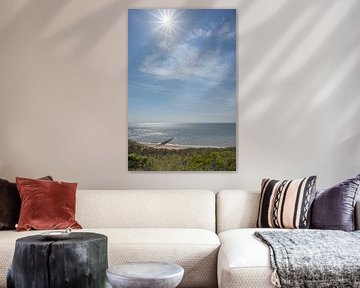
point(191, 58)
point(184, 62)
point(222, 30)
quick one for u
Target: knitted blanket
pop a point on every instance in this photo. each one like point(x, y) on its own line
point(313, 258)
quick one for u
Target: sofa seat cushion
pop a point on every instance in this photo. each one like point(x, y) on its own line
point(194, 249)
point(244, 261)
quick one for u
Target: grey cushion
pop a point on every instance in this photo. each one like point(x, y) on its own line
point(334, 208)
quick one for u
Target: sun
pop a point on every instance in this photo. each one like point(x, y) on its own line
point(167, 22)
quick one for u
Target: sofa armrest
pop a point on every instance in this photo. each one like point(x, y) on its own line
point(357, 215)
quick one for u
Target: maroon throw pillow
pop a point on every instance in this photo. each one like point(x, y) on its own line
point(46, 204)
point(10, 204)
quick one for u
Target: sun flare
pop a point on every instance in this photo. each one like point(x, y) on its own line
point(167, 21)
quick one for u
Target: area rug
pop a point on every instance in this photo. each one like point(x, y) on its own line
point(313, 258)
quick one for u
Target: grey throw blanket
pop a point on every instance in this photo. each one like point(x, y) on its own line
point(314, 258)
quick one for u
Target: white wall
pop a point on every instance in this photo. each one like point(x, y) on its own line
point(63, 92)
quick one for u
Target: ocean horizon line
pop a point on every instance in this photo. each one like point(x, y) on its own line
point(131, 123)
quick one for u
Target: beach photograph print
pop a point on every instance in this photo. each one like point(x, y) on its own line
point(182, 90)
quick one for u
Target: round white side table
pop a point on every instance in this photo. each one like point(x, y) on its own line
point(145, 275)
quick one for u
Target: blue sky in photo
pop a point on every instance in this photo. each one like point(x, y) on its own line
point(181, 65)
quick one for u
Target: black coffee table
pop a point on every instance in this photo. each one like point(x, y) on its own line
point(80, 261)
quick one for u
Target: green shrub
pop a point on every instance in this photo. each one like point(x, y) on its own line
point(137, 162)
point(142, 158)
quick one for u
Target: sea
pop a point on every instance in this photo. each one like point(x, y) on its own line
point(189, 134)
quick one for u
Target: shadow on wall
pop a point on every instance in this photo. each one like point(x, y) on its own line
point(24, 19)
point(302, 84)
point(277, 44)
point(87, 31)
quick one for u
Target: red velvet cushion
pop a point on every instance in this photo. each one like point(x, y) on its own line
point(46, 204)
point(10, 204)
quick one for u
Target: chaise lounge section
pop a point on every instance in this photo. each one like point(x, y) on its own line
point(244, 260)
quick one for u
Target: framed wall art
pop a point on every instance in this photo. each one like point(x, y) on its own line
point(182, 90)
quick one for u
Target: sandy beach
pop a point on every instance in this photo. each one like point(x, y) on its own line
point(175, 146)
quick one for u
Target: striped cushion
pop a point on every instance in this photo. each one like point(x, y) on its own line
point(286, 204)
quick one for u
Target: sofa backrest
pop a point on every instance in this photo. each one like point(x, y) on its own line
point(146, 209)
point(239, 209)
point(236, 209)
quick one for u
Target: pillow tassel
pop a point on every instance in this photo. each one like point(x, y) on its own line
point(275, 279)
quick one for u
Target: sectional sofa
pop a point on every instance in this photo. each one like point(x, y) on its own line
point(210, 235)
